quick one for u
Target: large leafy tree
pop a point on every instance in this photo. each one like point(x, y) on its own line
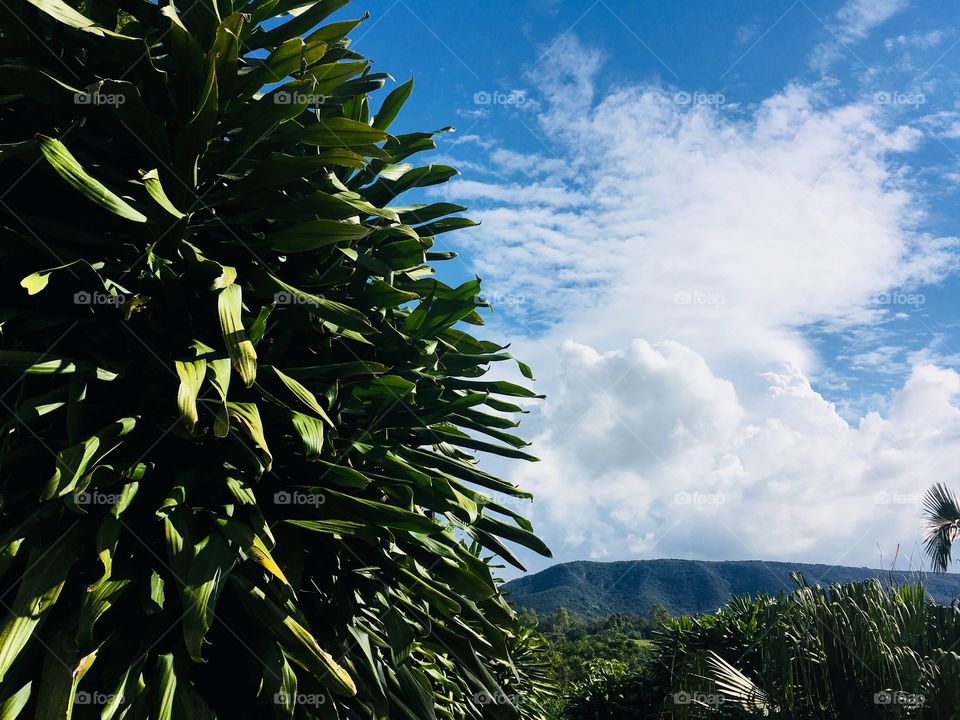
point(240, 410)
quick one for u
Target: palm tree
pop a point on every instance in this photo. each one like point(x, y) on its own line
point(942, 513)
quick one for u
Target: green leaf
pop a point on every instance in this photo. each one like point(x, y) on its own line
point(186, 51)
point(192, 140)
point(36, 282)
point(46, 574)
point(75, 461)
point(316, 234)
point(298, 390)
point(220, 379)
point(61, 674)
point(38, 85)
point(248, 415)
point(301, 23)
point(417, 214)
point(202, 567)
point(251, 544)
point(166, 687)
point(151, 180)
point(96, 601)
point(514, 534)
point(34, 363)
point(341, 315)
point(340, 133)
point(445, 225)
point(284, 60)
point(69, 169)
point(297, 642)
point(392, 105)
point(65, 14)
point(241, 351)
point(379, 513)
point(191, 376)
point(310, 431)
point(11, 707)
point(280, 684)
point(156, 592)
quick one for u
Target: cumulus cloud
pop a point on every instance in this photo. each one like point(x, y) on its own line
point(663, 278)
point(651, 454)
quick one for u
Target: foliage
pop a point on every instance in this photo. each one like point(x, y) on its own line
point(237, 475)
point(595, 663)
point(686, 587)
point(851, 651)
point(942, 512)
point(576, 643)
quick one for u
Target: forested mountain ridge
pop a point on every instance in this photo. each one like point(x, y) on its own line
point(593, 589)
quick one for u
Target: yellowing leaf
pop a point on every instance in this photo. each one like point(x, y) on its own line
point(241, 350)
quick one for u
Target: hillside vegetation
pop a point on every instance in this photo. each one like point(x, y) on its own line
point(686, 587)
point(840, 653)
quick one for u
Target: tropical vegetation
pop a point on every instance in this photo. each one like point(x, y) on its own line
point(861, 650)
point(942, 511)
point(237, 459)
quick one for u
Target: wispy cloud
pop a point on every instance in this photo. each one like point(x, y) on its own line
point(920, 40)
point(853, 23)
point(857, 18)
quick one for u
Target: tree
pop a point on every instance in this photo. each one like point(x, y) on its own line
point(658, 616)
point(237, 475)
point(942, 513)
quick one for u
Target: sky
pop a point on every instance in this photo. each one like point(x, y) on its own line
point(725, 236)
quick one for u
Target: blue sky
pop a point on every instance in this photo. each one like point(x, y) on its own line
point(725, 235)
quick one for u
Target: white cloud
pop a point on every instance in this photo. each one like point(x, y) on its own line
point(858, 17)
point(667, 267)
point(922, 41)
point(486, 144)
point(853, 23)
point(669, 462)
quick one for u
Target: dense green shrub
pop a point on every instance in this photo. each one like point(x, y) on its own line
point(844, 652)
point(236, 473)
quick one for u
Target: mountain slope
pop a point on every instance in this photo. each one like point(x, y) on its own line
point(592, 589)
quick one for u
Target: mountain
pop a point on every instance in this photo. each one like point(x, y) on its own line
point(594, 589)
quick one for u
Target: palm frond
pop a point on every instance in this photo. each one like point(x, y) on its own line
point(942, 514)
